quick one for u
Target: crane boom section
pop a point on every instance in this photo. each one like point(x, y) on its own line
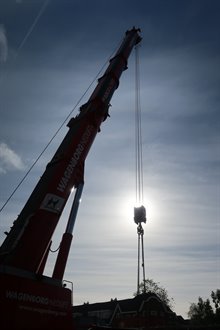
point(28, 241)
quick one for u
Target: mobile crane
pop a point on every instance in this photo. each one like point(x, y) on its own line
point(29, 299)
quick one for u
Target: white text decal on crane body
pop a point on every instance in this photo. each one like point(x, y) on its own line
point(74, 159)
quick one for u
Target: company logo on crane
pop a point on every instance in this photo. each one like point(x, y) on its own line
point(74, 159)
point(52, 203)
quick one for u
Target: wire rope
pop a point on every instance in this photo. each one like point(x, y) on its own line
point(139, 171)
point(138, 133)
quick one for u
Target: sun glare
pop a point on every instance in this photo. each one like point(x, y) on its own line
point(126, 210)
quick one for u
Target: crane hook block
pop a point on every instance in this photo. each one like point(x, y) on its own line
point(140, 214)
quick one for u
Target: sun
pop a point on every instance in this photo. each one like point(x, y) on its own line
point(126, 210)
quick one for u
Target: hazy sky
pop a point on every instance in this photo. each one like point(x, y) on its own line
point(50, 51)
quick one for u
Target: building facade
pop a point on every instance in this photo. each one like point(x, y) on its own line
point(141, 312)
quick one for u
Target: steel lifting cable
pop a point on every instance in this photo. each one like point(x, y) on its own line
point(138, 133)
point(139, 171)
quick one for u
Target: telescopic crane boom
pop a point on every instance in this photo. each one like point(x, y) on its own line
point(24, 251)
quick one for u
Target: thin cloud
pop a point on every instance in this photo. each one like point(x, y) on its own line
point(9, 160)
point(3, 44)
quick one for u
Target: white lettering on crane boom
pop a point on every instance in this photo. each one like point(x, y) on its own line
point(74, 159)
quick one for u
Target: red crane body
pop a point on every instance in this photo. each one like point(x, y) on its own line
point(34, 300)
